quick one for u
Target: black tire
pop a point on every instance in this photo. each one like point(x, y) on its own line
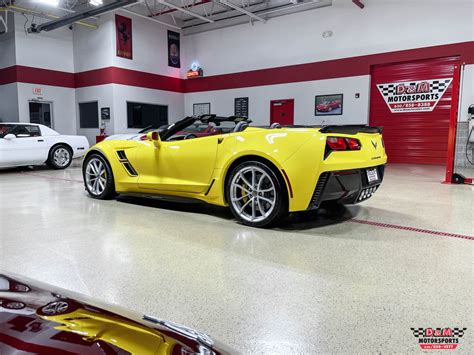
point(278, 197)
point(59, 157)
point(108, 191)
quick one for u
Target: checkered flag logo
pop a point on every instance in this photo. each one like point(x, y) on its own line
point(417, 332)
point(459, 332)
point(456, 332)
point(410, 96)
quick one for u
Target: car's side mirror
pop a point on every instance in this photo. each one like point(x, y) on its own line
point(154, 137)
point(10, 136)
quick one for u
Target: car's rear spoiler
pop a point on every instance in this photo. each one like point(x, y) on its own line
point(351, 129)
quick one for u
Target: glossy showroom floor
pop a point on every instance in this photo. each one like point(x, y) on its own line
point(318, 284)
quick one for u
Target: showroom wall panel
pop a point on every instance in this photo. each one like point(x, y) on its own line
point(48, 50)
point(382, 26)
point(122, 94)
point(7, 44)
point(104, 94)
point(63, 100)
point(354, 110)
point(8, 91)
point(94, 48)
point(9, 103)
point(150, 48)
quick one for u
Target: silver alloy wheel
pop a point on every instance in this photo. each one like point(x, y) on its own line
point(55, 308)
point(15, 305)
point(253, 194)
point(96, 176)
point(61, 156)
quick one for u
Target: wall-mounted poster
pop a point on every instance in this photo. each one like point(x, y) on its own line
point(123, 31)
point(328, 105)
point(241, 106)
point(173, 50)
point(105, 113)
point(201, 109)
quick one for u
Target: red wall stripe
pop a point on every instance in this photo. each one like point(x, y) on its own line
point(114, 75)
point(329, 69)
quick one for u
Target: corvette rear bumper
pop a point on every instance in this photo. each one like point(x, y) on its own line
point(345, 186)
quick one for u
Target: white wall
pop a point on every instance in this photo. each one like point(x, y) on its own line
point(7, 43)
point(354, 110)
point(48, 50)
point(94, 48)
point(467, 92)
point(9, 103)
point(382, 26)
point(104, 94)
point(122, 94)
point(150, 48)
point(8, 92)
point(63, 100)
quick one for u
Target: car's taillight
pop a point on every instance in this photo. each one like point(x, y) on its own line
point(143, 138)
point(340, 143)
point(353, 143)
point(336, 143)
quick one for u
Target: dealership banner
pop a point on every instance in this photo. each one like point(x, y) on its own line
point(414, 96)
point(123, 26)
point(173, 50)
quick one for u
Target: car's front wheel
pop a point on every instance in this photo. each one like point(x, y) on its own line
point(60, 157)
point(98, 177)
point(255, 194)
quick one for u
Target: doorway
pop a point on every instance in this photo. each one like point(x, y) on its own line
point(282, 112)
point(41, 112)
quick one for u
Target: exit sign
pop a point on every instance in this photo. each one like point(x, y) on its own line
point(38, 91)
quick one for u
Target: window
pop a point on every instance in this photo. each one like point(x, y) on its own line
point(89, 114)
point(144, 115)
point(20, 131)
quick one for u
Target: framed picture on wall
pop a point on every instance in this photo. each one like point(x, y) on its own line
point(201, 109)
point(328, 105)
point(241, 106)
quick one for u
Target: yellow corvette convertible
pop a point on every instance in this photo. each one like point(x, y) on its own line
point(260, 173)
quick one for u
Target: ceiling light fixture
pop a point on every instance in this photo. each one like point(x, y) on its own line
point(50, 2)
point(96, 2)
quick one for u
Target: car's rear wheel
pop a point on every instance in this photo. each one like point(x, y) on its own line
point(13, 305)
point(60, 157)
point(255, 194)
point(57, 308)
point(98, 177)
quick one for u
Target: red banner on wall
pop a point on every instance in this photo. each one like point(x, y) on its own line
point(123, 27)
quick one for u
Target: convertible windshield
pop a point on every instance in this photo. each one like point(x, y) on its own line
point(202, 126)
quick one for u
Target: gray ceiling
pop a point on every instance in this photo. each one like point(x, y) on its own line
point(189, 16)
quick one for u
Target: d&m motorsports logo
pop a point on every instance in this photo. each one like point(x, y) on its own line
point(414, 96)
point(438, 338)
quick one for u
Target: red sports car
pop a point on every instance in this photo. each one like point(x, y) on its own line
point(328, 106)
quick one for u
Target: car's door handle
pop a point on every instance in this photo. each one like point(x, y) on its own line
point(220, 140)
point(40, 140)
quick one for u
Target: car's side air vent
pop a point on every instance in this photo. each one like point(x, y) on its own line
point(130, 169)
point(121, 155)
point(126, 164)
point(317, 194)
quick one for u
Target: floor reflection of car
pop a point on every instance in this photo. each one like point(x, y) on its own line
point(328, 106)
point(58, 321)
